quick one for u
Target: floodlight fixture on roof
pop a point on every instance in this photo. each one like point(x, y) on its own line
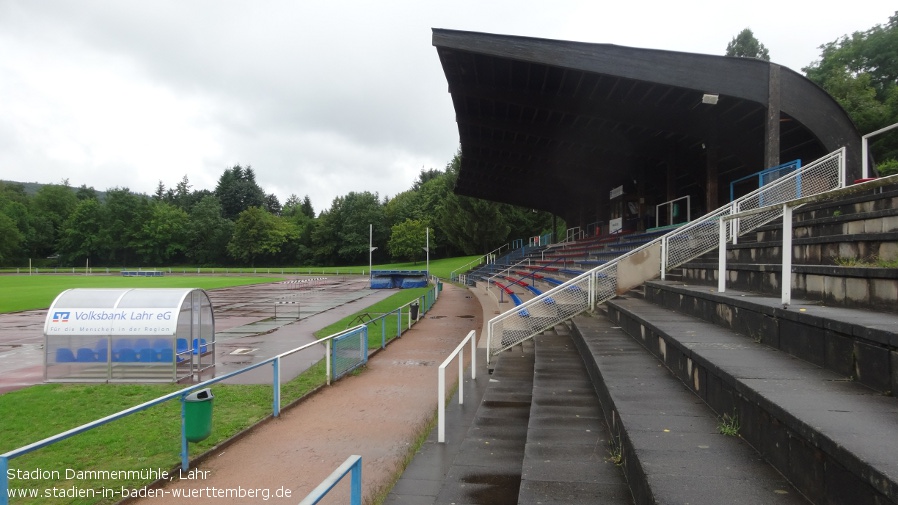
point(710, 99)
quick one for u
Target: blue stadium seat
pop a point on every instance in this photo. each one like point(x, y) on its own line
point(199, 346)
point(64, 355)
point(166, 355)
point(125, 356)
point(147, 355)
point(101, 349)
point(86, 355)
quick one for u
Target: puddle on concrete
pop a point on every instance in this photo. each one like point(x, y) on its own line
point(493, 489)
point(414, 362)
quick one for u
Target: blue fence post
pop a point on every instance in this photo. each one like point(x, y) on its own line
point(4, 488)
point(383, 333)
point(399, 322)
point(185, 456)
point(276, 385)
point(364, 339)
point(356, 483)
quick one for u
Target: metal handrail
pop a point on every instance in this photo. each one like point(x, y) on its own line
point(498, 250)
point(352, 464)
point(865, 170)
point(786, 285)
point(441, 380)
point(508, 269)
point(670, 215)
point(602, 283)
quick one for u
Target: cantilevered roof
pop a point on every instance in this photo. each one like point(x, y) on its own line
point(551, 124)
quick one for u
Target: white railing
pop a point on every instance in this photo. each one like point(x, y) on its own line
point(786, 212)
point(441, 380)
point(507, 270)
point(650, 260)
point(670, 210)
point(489, 257)
point(865, 171)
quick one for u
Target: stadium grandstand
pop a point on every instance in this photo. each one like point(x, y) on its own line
point(715, 326)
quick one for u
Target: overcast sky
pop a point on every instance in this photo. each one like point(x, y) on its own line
point(320, 98)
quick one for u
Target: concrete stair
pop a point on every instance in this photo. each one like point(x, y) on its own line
point(536, 436)
point(568, 456)
point(832, 437)
point(666, 437)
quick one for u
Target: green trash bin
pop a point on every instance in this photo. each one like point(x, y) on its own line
point(198, 415)
point(440, 286)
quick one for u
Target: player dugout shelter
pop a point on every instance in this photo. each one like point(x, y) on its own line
point(592, 132)
point(128, 335)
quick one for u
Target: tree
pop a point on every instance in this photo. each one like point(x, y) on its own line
point(272, 204)
point(122, 213)
point(291, 206)
point(258, 233)
point(342, 232)
point(85, 193)
point(162, 234)
point(861, 73)
point(14, 206)
point(306, 207)
point(402, 207)
point(53, 203)
point(181, 196)
point(745, 45)
point(407, 240)
point(159, 195)
point(9, 246)
point(474, 226)
point(81, 238)
point(424, 176)
point(324, 237)
point(237, 191)
point(357, 214)
point(208, 233)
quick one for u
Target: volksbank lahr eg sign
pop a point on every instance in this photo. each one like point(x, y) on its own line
point(112, 321)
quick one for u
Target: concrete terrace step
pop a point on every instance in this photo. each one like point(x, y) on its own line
point(567, 456)
point(873, 288)
point(666, 438)
point(832, 438)
point(855, 343)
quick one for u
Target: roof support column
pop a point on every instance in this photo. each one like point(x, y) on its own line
point(772, 129)
point(711, 156)
point(640, 194)
point(671, 178)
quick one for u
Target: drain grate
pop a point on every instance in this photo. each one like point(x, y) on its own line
point(467, 316)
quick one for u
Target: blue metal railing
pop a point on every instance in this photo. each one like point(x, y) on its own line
point(767, 176)
point(426, 302)
point(352, 464)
